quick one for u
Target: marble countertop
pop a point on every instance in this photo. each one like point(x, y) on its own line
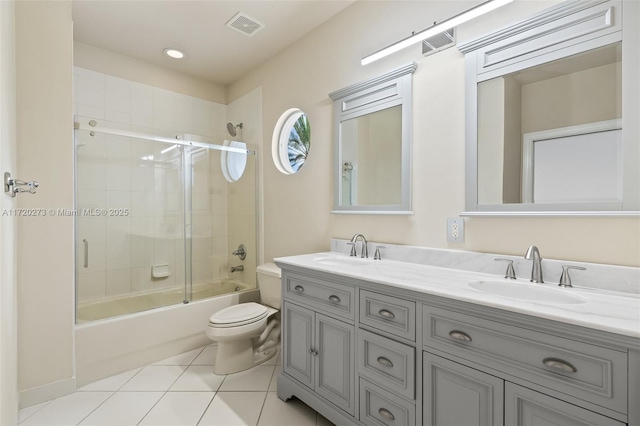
point(610, 311)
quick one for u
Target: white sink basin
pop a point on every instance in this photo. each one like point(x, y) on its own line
point(530, 292)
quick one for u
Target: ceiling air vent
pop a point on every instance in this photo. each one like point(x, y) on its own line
point(439, 42)
point(244, 24)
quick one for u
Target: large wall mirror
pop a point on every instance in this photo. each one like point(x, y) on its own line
point(372, 130)
point(545, 131)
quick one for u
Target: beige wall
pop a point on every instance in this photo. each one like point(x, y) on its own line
point(104, 61)
point(45, 153)
point(8, 287)
point(297, 208)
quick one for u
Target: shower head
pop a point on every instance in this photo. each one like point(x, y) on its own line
point(232, 129)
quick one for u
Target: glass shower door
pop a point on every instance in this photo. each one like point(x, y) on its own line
point(130, 239)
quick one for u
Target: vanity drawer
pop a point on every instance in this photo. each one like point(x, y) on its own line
point(388, 363)
point(381, 408)
point(585, 371)
point(388, 313)
point(321, 295)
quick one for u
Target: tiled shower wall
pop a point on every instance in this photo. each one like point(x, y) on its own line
point(134, 174)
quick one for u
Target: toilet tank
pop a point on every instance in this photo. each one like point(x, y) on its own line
point(269, 285)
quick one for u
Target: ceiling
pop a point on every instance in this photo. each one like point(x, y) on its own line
point(143, 28)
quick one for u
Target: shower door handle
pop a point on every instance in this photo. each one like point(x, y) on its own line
point(86, 253)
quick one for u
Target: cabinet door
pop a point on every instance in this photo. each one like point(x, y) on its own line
point(525, 407)
point(298, 347)
point(335, 362)
point(455, 395)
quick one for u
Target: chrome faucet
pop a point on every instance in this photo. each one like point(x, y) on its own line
point(536, 270)
point(354, 240)
point(237, 268)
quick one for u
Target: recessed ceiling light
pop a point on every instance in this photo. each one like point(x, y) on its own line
point(176, 54)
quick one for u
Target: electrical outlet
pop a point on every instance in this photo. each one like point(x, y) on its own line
point(455, 229)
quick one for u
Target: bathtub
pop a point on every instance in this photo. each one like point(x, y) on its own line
point(130, 304)
point(104, 347)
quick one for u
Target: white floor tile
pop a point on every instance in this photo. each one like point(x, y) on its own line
point(154, 378)
point(112, 383)
point(207, 356)
point(27, 412)
point(273, 386)
point(179, 408)
point(253, 379)
point(234, 408)
point(68, 410)
point(123, 409)
point(198, 378)
point(291, 413)
point(185, 358)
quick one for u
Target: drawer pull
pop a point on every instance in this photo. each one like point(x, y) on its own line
point(313, 352)
point(384, 361)
point(386, 414)
point(386, 314)
point(299, 289)
point(460, 335)
point(559, 364)
point(334, 299)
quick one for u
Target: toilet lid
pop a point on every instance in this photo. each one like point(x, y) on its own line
point(244, 313)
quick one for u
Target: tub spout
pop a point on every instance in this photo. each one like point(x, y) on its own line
point(237, 268)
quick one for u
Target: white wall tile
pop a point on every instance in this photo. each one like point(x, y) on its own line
point(118, 94)
point(118, 255)
point(118, 281)
point(163, 105)
point(142, 109)
point(117, 177)
point(90, 148)
point(91, 286)
point(91, 228)
point(91, 92)
point(119, 200)
point(90, 175)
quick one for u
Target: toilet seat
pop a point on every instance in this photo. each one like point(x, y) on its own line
point(238, 315)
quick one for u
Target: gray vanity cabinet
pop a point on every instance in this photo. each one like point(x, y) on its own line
point(524, 407)
point(319, 352)
point(458, 395)
point(363, 353)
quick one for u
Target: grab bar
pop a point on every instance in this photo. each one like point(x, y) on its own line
point(86, 253)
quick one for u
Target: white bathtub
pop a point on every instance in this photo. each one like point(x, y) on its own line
point(110, 346)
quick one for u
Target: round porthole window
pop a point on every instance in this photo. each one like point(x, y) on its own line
point(291, 141)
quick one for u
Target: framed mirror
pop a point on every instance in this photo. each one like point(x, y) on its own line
point(546, 102)
point(372, 155)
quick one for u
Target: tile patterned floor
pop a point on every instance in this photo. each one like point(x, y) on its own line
point(182, 391)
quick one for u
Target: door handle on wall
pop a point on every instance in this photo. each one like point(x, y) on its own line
point(15, 186)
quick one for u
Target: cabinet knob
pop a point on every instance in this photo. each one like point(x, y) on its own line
point(384, 361)
point(386, 414)
point(460, 335)
point(386, 314)
point(299, 289)
point(313, 352)
point(559, 364)
point(334, 299)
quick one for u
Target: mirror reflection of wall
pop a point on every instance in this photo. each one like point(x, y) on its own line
point(573, 91)
point(372, 158)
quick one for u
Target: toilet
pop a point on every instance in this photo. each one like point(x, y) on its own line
point(247, 334)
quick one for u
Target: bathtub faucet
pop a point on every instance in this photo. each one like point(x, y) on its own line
point(237, 268)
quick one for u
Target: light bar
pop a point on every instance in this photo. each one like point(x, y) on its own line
point(454, 21)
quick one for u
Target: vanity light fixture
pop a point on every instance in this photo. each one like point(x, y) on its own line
point(452, 22)
point(174, 53)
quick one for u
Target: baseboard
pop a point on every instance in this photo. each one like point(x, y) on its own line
point(47, 392)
